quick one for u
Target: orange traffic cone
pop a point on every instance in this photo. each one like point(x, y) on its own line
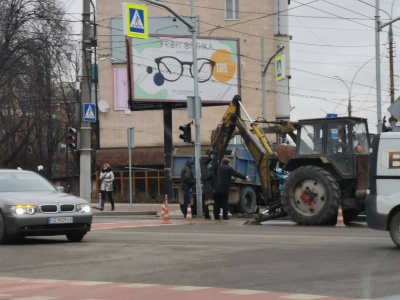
point(189, 219)
point(166, 219)
point(340, 221)
point(162, 211)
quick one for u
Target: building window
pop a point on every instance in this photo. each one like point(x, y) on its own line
point(232, 9)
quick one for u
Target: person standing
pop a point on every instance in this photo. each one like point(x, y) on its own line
point(187, 182)
point(222, 192)
point(106, 186)
point(207, 179)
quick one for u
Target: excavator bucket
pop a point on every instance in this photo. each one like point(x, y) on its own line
point(274, 211)
point(255, 220)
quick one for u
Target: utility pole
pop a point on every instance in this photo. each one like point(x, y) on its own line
point(378, 28)
point(378, 69)
point(85, 182)
point(392, 119)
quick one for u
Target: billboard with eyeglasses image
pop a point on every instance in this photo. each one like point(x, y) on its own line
point(162, 68)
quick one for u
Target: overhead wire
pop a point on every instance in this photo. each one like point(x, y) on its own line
point(291, 42)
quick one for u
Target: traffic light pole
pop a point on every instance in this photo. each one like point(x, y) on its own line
point(192, 29)
point(197, 104)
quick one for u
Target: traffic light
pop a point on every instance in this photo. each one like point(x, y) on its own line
point(72, 138)
point(186, 136)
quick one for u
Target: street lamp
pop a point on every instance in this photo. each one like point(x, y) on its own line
point(348, 90)
point(351, 84)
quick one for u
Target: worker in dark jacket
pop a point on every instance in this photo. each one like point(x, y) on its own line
point(222, 191)
point(187, 182)
point(207, 179)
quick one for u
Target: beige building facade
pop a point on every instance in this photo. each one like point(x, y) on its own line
point(247, 22)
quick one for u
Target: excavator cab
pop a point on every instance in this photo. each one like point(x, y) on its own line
point(333, 136)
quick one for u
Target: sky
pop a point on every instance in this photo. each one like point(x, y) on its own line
point(332, 56)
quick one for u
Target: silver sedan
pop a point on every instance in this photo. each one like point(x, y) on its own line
point(31, 206)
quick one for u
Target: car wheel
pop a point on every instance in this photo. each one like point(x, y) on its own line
point(3, 237)
point(394, 229)
point(75, 237)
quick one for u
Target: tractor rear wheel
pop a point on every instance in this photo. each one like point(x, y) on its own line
point(311, 196)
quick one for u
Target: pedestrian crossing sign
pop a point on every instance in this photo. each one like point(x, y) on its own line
point(89, 112)
point(135, 20)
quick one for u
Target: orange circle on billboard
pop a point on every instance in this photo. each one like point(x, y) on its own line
point(225, 67)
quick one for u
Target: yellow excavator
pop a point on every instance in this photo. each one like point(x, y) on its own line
point(328, 166)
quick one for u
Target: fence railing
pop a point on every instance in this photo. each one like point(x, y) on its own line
point(147, 185)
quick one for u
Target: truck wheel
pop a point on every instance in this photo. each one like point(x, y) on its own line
point(394, 229)
point(248, 200)
point(311, 196)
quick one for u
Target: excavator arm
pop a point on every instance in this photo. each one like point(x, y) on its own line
point(255, 140)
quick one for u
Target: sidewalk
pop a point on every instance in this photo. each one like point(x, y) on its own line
point(136, 209)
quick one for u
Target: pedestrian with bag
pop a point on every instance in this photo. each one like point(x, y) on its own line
point(187, 182)
point(106, 186)
point(222, 191)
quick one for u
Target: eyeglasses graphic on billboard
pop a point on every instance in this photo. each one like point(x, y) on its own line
point(171, 68)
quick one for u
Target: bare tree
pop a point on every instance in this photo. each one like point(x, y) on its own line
point(35, 64)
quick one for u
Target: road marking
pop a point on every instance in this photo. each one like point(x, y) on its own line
point(90, 283)
point(188, 288)
point(243, 292)
point(304, 297)
point(37, 298)
point(72, 289)
point(138, 285)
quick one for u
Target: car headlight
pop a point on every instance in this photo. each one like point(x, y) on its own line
point(21, 209)
point(83, 208)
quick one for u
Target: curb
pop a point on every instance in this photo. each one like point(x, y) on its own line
point(97, 212)
point(124, 213)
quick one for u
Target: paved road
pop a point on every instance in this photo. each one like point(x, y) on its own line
point(130, 258)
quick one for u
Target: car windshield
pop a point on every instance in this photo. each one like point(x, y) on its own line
point(23, 182)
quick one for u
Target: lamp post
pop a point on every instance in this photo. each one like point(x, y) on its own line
point(351, 84)
point(348, 90)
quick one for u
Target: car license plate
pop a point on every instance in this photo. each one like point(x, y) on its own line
point(60, 220)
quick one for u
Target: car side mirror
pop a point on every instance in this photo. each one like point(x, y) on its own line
point(61, 189)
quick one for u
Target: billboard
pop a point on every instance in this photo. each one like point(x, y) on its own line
point(162, 68)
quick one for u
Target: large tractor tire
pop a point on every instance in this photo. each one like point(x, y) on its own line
point(247, 200)
point(311, 196)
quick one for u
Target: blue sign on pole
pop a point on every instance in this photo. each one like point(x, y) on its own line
point(135, 20)
point(89, 112)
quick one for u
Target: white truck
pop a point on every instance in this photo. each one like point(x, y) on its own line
point(383, 201)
